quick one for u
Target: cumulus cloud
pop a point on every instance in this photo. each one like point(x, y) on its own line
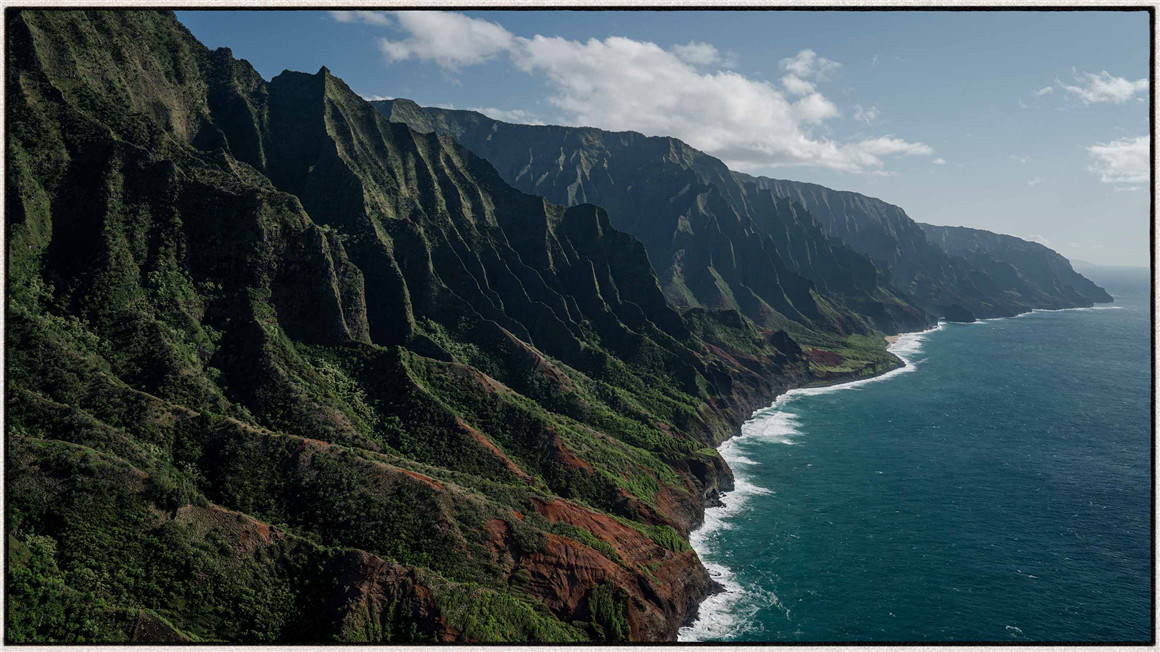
point(1035, 182)
point(1046, 90)
point(450, 39)
point(1124, 160)
point(808, 65)
point(1022, 159)
point(1103, 87)
point(797, 86)
point(865, 115)
point(939, 161)
point(697, 53)
point(378, 18)
point(623, 84)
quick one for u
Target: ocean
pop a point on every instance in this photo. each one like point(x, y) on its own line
point(997, 488)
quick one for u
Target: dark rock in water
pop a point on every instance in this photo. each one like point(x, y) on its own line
point(957, 313)
point(714, 500)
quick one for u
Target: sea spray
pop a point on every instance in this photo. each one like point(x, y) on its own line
point(728, 613)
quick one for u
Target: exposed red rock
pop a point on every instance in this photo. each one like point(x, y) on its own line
point(828, 358)
point(490, 446)
point(562, 455)
point(375, 596)
point(662, 585)
point(430, 482)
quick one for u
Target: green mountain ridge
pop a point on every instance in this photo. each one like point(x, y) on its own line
point(281, 370)
point(714, 241)
point(860, 253)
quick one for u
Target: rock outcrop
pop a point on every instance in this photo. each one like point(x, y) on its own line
point(281, 370)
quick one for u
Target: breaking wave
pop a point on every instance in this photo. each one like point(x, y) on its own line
point(729, 613)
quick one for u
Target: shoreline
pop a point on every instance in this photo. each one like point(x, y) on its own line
point(715, 501)
point(693, 615)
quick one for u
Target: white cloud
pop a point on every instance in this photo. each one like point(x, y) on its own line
point(866, 115)
point(623, 84)
point(1035, 182)
point(376, 98)
point(697, 53)
point(377, 18)
point(1022, 159)
point(518, 116)
point(1124, 160)
point(939, 161)
point(449, 39)
point(1104, 87)
point(890, 145)
point(797, 86)
point(1037, 238)
point(808, 65)
point(1046, 90)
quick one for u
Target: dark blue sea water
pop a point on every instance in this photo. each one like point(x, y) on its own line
point(996, 489)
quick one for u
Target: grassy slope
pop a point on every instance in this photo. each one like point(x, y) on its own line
point(281, 371)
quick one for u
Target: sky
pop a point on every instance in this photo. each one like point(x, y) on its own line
point(1028, 123)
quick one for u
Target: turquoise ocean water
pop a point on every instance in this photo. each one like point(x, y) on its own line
point(995, 489)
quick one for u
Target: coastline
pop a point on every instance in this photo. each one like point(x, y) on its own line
point(721, 575)
point(746, 617)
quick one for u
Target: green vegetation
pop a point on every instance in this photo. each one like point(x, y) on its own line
point(281, 370)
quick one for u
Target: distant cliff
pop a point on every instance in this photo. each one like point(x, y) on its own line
point(943, 280)
point(714, 240)
point(861, 255)
point(1041, 276)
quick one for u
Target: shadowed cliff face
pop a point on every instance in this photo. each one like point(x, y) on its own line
point(940, 270)
point(1042, 277)
point(283, 370)
point(714, 241)
point(865, 260)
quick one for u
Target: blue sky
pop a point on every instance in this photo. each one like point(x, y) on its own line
point(1029, 123)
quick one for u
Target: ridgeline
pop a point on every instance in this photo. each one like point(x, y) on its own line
point(283, 370)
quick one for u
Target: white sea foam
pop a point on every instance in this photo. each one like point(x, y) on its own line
point(730, 612)
point(1039, 310)
point(1081, 309)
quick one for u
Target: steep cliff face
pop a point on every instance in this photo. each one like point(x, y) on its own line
point(943, 274)
point(714, 241)
point(282, 370)
point(861, 256)
point(1042, 277)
